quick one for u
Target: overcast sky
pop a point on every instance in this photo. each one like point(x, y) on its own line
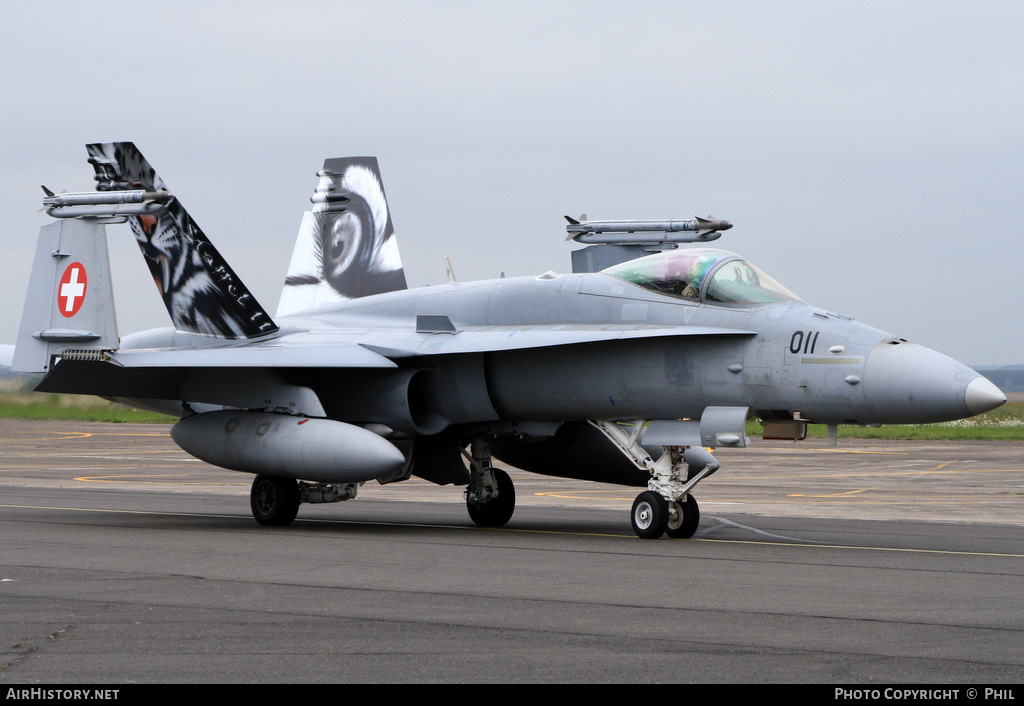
point(870, 154)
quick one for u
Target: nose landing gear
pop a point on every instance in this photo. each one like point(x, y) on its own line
point(668, 506)
point(654, 516)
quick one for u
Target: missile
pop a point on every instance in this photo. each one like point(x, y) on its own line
point(331, 197)
point(327, 196)
point(282, 445)
point(702, 229)
point(104, 204)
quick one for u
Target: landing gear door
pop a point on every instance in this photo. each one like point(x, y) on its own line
point(723, 426)
point(718, 426)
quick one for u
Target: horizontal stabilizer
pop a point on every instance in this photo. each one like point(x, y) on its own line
point(346, 356)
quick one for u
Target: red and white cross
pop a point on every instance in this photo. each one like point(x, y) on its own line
point(71, 293)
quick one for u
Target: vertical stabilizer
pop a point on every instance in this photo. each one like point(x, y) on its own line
point(200, 290)
point(69, 309)
point(346, 246)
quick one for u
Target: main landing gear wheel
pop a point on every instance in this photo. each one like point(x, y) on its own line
point(683, 523)
point(498, 511)
point(274, 501)
point(650, 515)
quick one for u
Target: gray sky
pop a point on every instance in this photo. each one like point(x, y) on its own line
point(871, 154)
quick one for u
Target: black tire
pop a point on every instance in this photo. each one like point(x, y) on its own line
point(274, 501)
point(498, 511)
point(684, 524)
point(650, 515)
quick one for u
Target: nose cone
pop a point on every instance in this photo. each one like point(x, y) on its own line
point(981, 396)
point(905, 383)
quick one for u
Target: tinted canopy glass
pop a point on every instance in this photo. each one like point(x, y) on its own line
point(716, 275)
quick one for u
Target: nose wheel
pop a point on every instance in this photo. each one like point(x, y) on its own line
point(654, 516)
point(650, 515)
point(683, 522)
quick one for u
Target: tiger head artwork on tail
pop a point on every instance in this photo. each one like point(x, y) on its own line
point(200, 290)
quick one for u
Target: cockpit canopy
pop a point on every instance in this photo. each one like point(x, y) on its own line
point(714, 276)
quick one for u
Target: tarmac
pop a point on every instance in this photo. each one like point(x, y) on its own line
point(124, 561)
point(934, 481)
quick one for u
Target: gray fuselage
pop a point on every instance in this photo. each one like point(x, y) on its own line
point(657, 357)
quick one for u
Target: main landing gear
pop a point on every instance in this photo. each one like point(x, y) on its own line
point(275, 501)
point(667, 506)
point(490, 495)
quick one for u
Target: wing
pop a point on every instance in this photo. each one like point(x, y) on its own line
point(488, 339)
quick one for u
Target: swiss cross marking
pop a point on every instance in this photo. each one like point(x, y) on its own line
point(71, 291)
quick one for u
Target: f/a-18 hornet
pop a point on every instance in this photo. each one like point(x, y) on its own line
point(629, 370)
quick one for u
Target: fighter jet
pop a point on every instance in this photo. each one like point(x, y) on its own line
point(631, 369)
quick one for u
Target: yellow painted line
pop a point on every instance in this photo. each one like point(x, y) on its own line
point(62, 436)
point(947, 552)
point(66, 435)
point(973, 500)
point(123, 512)
point(612, 494)
point(100, 455)
point(132, 478)
point(832, 495)
point(125, 433)
point(795, 545)
point(883, 474)
point(794, 449)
